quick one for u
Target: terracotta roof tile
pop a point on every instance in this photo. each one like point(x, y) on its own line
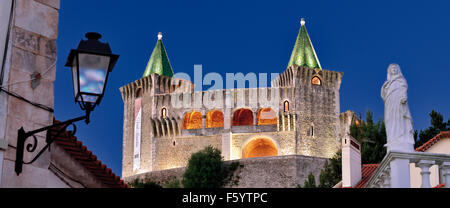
point(82, 155)
point(366, 172)
point(431, 142)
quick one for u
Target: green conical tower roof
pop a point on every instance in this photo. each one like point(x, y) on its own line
point(303, 53)
point(159, 62)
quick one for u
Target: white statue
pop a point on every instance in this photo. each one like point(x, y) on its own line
point(397, 118)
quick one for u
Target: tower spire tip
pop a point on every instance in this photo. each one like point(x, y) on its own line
point(159, 35)
point(302, 21)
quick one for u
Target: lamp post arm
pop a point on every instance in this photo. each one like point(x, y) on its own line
point(22, 136)
point(68, 122)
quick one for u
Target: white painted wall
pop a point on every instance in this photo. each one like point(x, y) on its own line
point(441, 147)
point(351, 163)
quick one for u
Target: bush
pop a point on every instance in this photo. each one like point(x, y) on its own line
point(206, 169)
point(137, 183)
point(309, 183)
point(173, 183)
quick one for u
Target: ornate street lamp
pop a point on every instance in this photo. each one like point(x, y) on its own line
point(91, 63)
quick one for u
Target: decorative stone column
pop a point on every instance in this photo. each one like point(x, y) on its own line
point(203, 111)
point(255, 116)
point(288, 121)
point(294, 120)
point(445, 168)
point(400, 176)
point(424, 166)
point(226, 135)
point(278, 122)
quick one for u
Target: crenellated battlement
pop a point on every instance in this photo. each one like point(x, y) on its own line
point(303, 75)
point(157, 84)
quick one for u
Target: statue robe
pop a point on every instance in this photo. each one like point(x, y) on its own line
point(398, 121)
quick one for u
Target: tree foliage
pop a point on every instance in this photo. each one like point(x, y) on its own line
point(309, 183)
point(206, 169)
point(437, 125)
point(332, 172)
point(372, 137)
point(329, 176)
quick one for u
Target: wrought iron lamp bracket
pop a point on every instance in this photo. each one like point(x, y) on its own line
point(22, 137)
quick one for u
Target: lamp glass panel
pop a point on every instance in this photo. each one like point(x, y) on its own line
point(75, 77)
point(92, 75)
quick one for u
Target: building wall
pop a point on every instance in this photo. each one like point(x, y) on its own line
point(311, 106)
point(31, 49)
point(175, 152)
point(441, 147)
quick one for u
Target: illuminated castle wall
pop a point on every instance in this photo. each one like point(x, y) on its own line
point(159, 136)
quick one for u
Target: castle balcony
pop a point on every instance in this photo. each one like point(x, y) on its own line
point(403, 170)
point(254, 129)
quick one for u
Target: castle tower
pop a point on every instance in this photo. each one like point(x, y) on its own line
point(313, 97)
point(304, 53)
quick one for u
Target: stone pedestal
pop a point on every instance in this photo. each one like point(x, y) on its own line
point(400, 147)
point(400, 176)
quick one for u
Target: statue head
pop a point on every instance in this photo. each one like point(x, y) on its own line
point(394, 72)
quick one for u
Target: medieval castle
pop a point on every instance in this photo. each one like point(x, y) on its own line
point(305, 122)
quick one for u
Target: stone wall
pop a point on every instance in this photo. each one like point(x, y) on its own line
point(175, 152)
point(31, 54)
point(317, 108)
point(264, 172)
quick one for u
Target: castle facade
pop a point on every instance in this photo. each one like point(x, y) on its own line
point(165, 120)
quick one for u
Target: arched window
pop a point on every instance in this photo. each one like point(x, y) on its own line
point(193, 120)
point(243, 117)
point(286, 106)
point(214, 119)
point(316, 81)
point(267, 116)
point(164, 112)
point(311, 131)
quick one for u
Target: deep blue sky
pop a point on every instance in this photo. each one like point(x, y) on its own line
point(358, 38)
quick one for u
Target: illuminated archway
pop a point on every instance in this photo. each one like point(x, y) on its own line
point(193, 120)
point(243, 117)
point(267, 116)
point(260, 147)
point(214, 119)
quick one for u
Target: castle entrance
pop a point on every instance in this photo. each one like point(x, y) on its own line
point(260, 147)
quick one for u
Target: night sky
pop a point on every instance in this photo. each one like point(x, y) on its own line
point(358, 38)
